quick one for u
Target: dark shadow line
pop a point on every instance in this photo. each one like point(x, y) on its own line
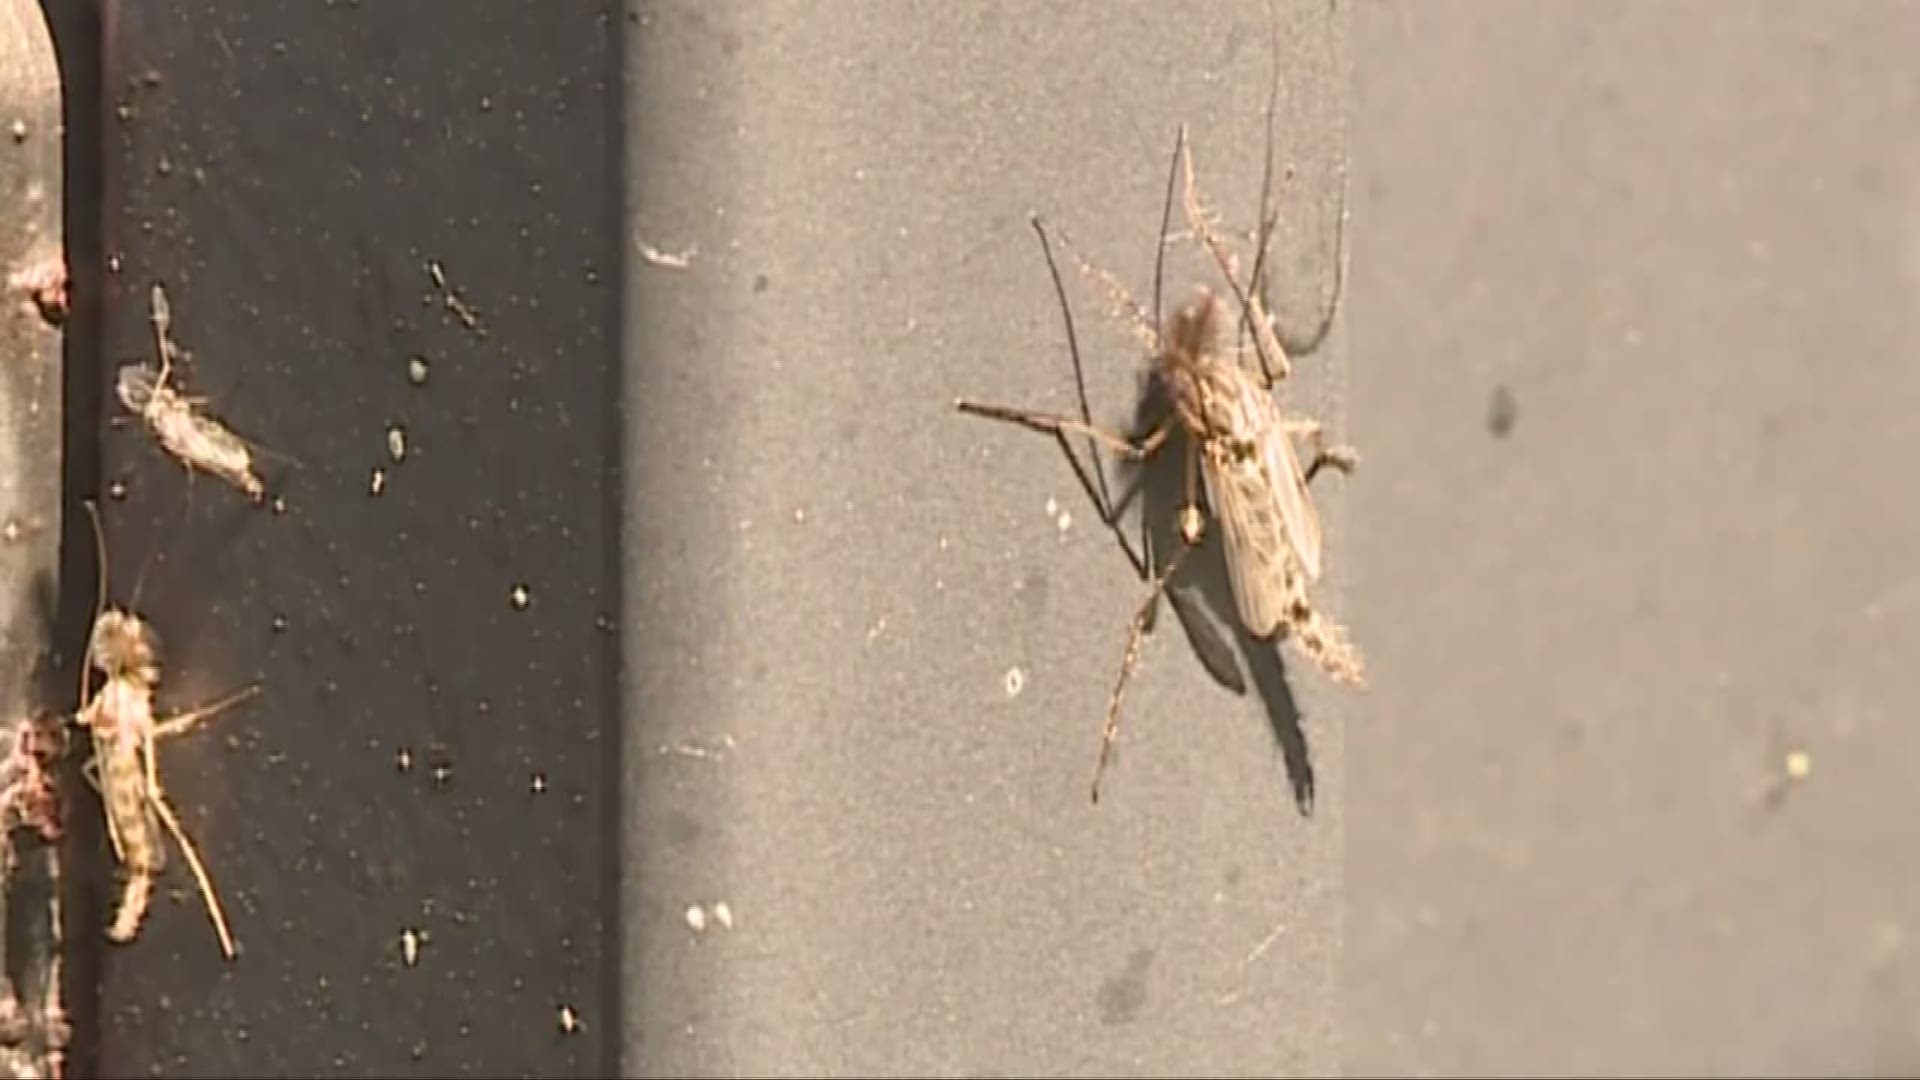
point(616, 755)
point(78, 40)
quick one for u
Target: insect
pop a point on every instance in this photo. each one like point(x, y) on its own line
point(197, 440)
point(1240, 446)
point(124, 767)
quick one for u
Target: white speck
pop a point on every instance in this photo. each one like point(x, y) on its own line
point(800, 515)
point(19, 131)
point(569, 1020)
point(697, 918)
point(417, 371)
point(723, 913)
point(539, 783)
point(378, 482)
point(410, 942)
point(1016, 681)
point(397, 442)
point(1065, 521)
point(1053, 507)
point(521, 596)
point(1799, 765)
point(943, 543)
point(879, 627)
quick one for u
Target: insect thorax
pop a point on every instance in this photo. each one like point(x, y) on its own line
point(125, 647)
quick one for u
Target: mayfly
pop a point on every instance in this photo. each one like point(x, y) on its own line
point(124, 767)
point(197, 440)
point(1240, 446)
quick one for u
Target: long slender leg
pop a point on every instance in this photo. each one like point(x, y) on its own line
point(1130, 660)
point(200, 875)
point(178, 723)
point(1059, 423)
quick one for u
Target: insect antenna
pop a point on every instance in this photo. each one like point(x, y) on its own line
point(1269, 220)
point(99, 600)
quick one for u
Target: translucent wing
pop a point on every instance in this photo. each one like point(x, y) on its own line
point(1255, 539)
point(1262, 424)
point(1289, 483)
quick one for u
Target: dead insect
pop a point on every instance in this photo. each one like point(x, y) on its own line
point(197, 440)
point(124, 767)
point(1240, 445)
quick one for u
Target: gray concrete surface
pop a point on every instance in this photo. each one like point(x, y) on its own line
point(1686, 238)
point(835, 574)
point(1678, 241)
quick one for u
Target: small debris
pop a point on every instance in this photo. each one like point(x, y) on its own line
point(463, 311)
point(723, 913)
point(799, 515)
point(1795, 768)
point(521, 597)
point(698, 750)
point(539, 783)
point(1065, 521)
point(569, 1020)
point(403, 760)
point(417, 371)
point(696, 918)
point(410, 942)
point(397, 443)
point(19, 129)
point(679, 260)
point(1016, 681)
point(377, 482)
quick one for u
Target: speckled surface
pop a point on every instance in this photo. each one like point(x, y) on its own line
point(1686, 238)
point(1624, 352)
point(852, 571)
point(426, 755)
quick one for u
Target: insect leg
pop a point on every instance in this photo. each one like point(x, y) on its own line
point(1059, 423)
point(1336, 456)
point(199, 868)
point(1193, 523)
point(178, 723)
point(1130, 660)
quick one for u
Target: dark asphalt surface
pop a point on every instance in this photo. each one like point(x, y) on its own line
point(808, 648)
point(424, 756)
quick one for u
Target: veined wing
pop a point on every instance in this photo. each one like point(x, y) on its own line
point(1255, 537)
point(1289, 483)
point(1258, 422)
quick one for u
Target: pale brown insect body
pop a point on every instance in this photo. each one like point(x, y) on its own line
point(1240, 445)
point(197, 440)
point(121, 721)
